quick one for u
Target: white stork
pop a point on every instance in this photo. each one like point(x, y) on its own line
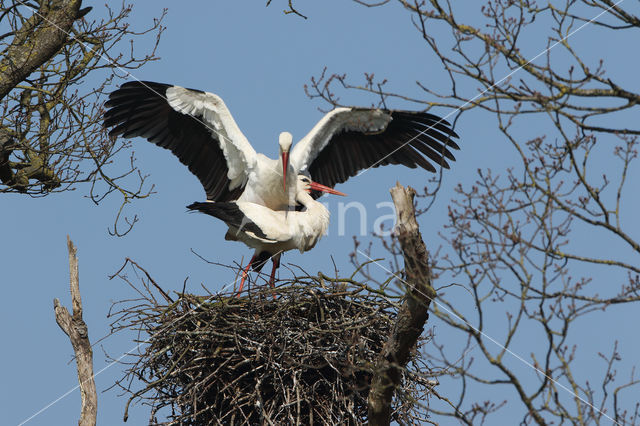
point(272, 232)
point(198, 128)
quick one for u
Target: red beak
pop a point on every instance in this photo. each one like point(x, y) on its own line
point(285, 166)
point(318, 187)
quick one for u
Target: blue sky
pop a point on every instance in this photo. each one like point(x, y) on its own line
point(258, 60)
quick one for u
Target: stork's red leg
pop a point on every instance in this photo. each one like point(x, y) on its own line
point(276, 264)
point(245, 273)
point(272, 279)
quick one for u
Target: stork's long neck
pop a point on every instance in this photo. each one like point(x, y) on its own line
point(290, 191)
point(284, 142)
point(313, 222)
point(314, 208)
point(307, 200)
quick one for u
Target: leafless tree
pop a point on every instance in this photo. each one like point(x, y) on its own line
point(55, 64)
point(534, 250)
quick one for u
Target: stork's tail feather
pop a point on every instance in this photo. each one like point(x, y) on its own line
point(211, 208)
point(230, 214)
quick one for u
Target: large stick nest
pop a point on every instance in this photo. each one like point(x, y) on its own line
point(304, 357)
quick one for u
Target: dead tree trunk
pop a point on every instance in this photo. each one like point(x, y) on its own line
point(413, 313)
point(75, 327)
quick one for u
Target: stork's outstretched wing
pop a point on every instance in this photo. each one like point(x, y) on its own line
point(348, 140)
point(195, 126)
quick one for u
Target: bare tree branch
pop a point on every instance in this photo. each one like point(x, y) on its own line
point(39, 38)
point(291, 9)
point(51, 134)
point(413, 312)
point(75, 327)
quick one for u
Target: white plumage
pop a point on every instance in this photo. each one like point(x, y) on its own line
point(272, 232)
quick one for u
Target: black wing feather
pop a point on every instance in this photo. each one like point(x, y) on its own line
point(140, 108)
point(413, 139)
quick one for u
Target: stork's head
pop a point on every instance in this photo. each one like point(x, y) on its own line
point(285, 145)
point(307, 185)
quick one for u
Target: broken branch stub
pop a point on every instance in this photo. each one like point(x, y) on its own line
point(75, 327)
point(413, 312)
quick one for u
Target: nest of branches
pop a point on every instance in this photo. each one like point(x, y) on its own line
point(304, 353)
